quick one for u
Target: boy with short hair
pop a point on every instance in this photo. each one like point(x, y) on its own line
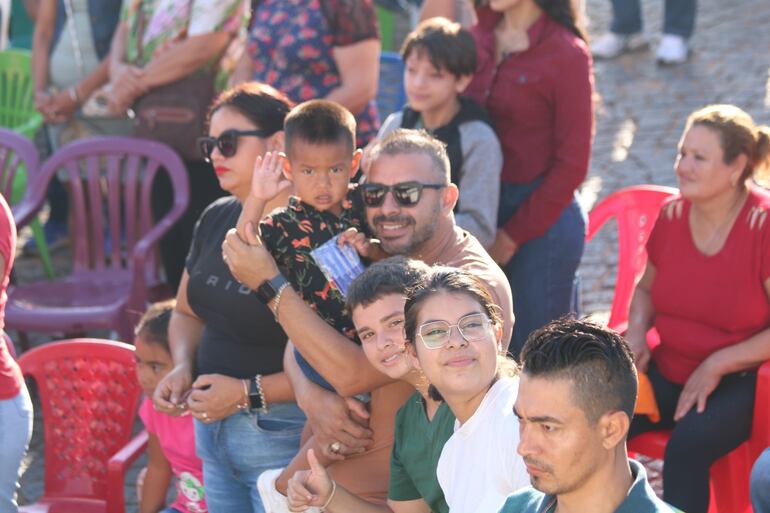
point(439, 62)
point(321, 158)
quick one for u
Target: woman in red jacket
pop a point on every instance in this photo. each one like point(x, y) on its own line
point(534, 76)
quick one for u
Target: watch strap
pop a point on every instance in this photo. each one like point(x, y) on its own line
point(269, 288)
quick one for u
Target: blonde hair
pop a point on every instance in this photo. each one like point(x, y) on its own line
point(739, 135)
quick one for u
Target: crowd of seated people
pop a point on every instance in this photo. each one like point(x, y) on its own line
point(377, 318)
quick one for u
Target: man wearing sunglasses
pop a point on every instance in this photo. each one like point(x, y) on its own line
point(409, 201)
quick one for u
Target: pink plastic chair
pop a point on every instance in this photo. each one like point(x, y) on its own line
point(110, 179)
point(89, 395)
point(635, 210)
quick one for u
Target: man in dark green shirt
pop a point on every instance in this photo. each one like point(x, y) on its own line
point(576, 399)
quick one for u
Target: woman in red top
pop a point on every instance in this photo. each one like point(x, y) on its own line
point(706, 290)
point(534, 76)
point(15, 406)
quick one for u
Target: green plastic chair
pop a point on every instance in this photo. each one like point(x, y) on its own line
point(17, 113)
point(387, 23)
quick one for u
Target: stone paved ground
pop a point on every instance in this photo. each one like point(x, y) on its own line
point(643, 108)
point(639, 120)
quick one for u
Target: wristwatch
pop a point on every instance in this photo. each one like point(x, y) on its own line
point(256, 395)
point(269, 288)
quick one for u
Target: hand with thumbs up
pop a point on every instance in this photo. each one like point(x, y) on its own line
point(308, 488)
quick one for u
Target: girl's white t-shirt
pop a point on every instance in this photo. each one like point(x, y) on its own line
point(479, 466)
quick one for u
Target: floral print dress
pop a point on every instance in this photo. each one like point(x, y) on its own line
point(291, 43)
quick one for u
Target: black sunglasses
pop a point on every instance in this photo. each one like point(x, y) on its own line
point(406, 194)
point(227, 142)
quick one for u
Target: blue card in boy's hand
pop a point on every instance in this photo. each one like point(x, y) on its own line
point(340, 264)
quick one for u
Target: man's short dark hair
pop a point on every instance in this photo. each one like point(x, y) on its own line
point(407, 141)
point(594, 358)
point(320, 122)
point(394, 275)
point(447, 45)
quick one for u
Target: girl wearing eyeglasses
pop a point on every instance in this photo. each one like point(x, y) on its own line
point(246, 420)
point(454, 331)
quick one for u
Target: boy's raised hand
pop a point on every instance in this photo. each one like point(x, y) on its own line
point(268, 179)
point(309, 487)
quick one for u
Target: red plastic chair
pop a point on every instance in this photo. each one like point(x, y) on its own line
point(730, 474)
point(89, 395)
point(636, 209)
point(110, 178)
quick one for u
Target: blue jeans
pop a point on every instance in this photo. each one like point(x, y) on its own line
point(15, 431)
point(237, 449)
point(678, 18)
point(760, 484)
point(542, 273)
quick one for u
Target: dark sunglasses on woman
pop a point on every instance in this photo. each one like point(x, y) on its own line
point(406, 194)
point(227, 142)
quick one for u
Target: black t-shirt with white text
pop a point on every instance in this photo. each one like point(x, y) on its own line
point(241, 338)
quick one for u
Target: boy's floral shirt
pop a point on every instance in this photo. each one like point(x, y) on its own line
point(292, 232)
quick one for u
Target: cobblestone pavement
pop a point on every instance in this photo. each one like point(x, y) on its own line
point(639, 120)
point(644, 106)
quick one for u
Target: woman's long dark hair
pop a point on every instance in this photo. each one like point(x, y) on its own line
point(262, 104)
point(562, 11)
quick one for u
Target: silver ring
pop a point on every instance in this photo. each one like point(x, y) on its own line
point(335, 447)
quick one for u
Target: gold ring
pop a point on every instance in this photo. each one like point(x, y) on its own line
point(335, 447)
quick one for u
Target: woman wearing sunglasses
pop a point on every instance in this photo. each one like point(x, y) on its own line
point(454, 331)
point(246, 420)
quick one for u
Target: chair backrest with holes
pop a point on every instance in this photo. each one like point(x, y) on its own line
point(17, 105)
point(110, 181)
point(89, 395)
point(635, 210)
point(18, 156)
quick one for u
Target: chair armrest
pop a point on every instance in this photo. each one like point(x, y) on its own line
point(116, 470)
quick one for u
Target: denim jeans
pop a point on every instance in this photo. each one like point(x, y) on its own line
point(237, 449)
point(542, 273)
point(760, 484)
point(15, 431)
point(678, 18)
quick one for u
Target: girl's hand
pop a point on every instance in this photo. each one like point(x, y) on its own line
point(170, 393)
point(699, 386)
point(215, 397)
point(309, 487)
point(268, 180)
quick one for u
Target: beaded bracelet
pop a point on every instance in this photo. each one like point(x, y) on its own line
point(277, 300)
point(261, 393)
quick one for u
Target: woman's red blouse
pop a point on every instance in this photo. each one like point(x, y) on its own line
point(705, 303)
